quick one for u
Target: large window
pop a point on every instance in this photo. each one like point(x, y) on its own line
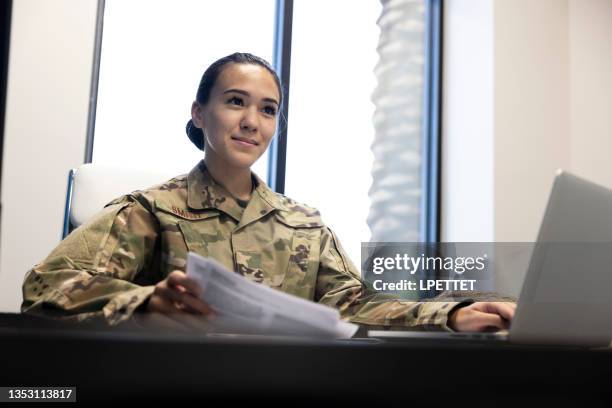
point(361, 127)
point(362, 142)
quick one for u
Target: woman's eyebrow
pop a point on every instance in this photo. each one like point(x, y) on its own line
point(245, 93)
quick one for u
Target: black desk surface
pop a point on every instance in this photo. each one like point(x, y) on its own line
point(117, 364)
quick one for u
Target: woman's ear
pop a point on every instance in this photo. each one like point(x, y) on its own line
point(197, 115)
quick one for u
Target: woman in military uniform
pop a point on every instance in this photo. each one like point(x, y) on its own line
point(131, 257)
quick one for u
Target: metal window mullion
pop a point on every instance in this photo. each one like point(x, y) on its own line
point(430, 228)
point(430, 153)
point(5, 19)
point(95, 80)
point(277, 156)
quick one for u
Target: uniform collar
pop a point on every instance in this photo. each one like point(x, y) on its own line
point(203, 193)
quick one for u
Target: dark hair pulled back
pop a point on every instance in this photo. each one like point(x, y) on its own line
point(209, 78)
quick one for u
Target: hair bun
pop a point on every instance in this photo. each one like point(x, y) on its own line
point(195, 135)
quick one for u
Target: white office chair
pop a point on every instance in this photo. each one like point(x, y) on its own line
point(91, 186)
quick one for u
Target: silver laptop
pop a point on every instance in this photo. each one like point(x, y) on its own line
point(566, 297)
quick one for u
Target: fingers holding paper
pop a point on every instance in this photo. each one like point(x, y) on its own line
point(178, 294)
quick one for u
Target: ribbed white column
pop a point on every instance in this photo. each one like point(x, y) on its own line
point(396, 189)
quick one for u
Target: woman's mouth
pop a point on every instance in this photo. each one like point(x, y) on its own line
point(243, 141)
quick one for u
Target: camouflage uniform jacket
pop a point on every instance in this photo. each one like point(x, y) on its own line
point(107, 268)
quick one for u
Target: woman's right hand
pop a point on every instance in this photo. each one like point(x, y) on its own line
point(178, 297)
point(483, 316)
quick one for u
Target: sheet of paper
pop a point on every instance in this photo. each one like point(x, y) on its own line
point(242, 305)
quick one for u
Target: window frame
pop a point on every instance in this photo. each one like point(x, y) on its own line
point(277, 153)
point(6, 9)
point(277, 159)
point(432, 101)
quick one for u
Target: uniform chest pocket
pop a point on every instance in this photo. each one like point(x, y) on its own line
point(209, 239)
point(184, 231)
point(303, 252)
point(288, 262)
point(303, 264)
point(280, 255)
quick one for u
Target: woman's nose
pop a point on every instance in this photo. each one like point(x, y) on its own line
point(249, 120)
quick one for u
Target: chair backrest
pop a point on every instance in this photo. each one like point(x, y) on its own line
point(91, 186)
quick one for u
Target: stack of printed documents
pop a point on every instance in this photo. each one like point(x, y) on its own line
point(242, 306)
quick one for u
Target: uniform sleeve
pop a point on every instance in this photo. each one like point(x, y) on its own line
point(339, 285)
point(91, 275)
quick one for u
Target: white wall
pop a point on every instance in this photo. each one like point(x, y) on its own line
point(531, 111)
point(590, 68)
point(551, 96)
point(50, 63)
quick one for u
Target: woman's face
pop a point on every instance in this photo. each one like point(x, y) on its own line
point(239, 118)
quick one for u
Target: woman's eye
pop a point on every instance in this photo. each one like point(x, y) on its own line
point(234, 100)
point(270, 110)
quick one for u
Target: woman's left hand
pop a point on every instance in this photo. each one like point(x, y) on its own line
point(482, 316)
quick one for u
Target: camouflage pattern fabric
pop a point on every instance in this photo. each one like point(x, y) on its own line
point(107, 268)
